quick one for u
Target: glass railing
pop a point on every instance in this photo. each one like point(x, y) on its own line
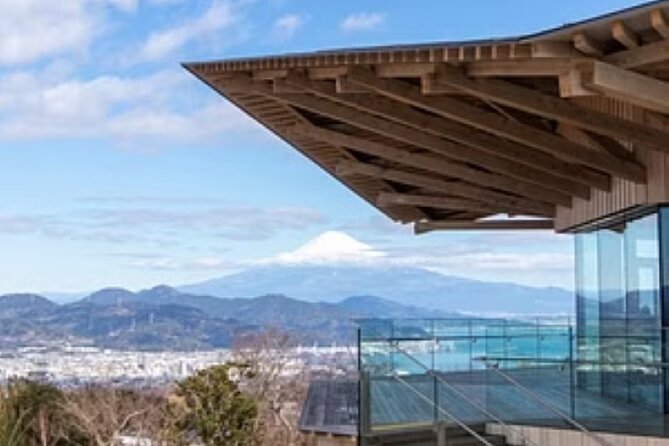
point(520, 372)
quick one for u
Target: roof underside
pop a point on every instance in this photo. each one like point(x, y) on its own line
point(449, 135)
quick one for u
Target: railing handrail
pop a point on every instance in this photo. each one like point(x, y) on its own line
point(455, 419)
point(568, 361)
point(551, 407)
point(474, 403)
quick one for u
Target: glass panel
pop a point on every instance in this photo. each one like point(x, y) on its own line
point(643, 291)
point(587, 311)
point(618, 314)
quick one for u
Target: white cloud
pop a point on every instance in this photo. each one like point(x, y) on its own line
point(220, 15)
point(286, 26)
point(32, 29)
point(164, 226)
point(131, 110)
point(362, 21)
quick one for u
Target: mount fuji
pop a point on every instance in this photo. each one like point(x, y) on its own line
point(335, 266)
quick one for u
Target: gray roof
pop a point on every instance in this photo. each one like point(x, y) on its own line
point(331, 407)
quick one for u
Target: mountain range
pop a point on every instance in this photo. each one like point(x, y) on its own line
point(163, 318)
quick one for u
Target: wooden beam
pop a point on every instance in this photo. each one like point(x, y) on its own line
point(600, 142)
point(423, 227)
point(659, 23)
point(438, 145)
point(571, 84)
point(427, 181)
point(429, 86)
point(623, 34)
point(555, 108)
point(635, 88)
point(436, 202)
point(497, 148)
point(520, 68)
point(637, 57)
point(410, 70)
point(434, 164)
point(493, 123)
point(241, 85)
point(343, 86)
point(587, 45)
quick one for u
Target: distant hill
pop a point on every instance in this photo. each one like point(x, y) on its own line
point(25, 306)
point(372, 305)
point(163, 318)
point(407, 286)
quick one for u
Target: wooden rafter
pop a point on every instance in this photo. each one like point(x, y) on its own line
point(587, 45)
point(498, 150)
point(434, 144)
point(659, 23)
point(637, 57)
point(434, 164)
point(493, 123)
point(422, 227)
point(552, 107)
point(437, 202)
point(427, 181)
point(624, 35)
point(241, 83)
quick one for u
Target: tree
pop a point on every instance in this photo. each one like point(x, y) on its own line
point(278, 382)
point(103, 414)
point(31, 415)
point(210, 406)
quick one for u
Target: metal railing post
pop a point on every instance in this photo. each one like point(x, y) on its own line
point(572, 381)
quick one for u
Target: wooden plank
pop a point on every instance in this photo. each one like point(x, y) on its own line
point(428, 181)
point(436, 202)
point(637, 57)
point(659, 23)
point(422, 227)
point(623, 34)
point(437, 145)
point(493, 123)
point(552, 107)
point(587, 45)
point(635, 88)
point(405, 115)
point(434, 164)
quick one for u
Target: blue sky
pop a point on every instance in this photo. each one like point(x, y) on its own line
point(119, 168)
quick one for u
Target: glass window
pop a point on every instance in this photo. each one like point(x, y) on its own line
point(618, 311)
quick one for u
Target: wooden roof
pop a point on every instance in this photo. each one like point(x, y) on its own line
point(446, 135)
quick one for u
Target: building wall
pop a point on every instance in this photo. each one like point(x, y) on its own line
point(624, 194)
